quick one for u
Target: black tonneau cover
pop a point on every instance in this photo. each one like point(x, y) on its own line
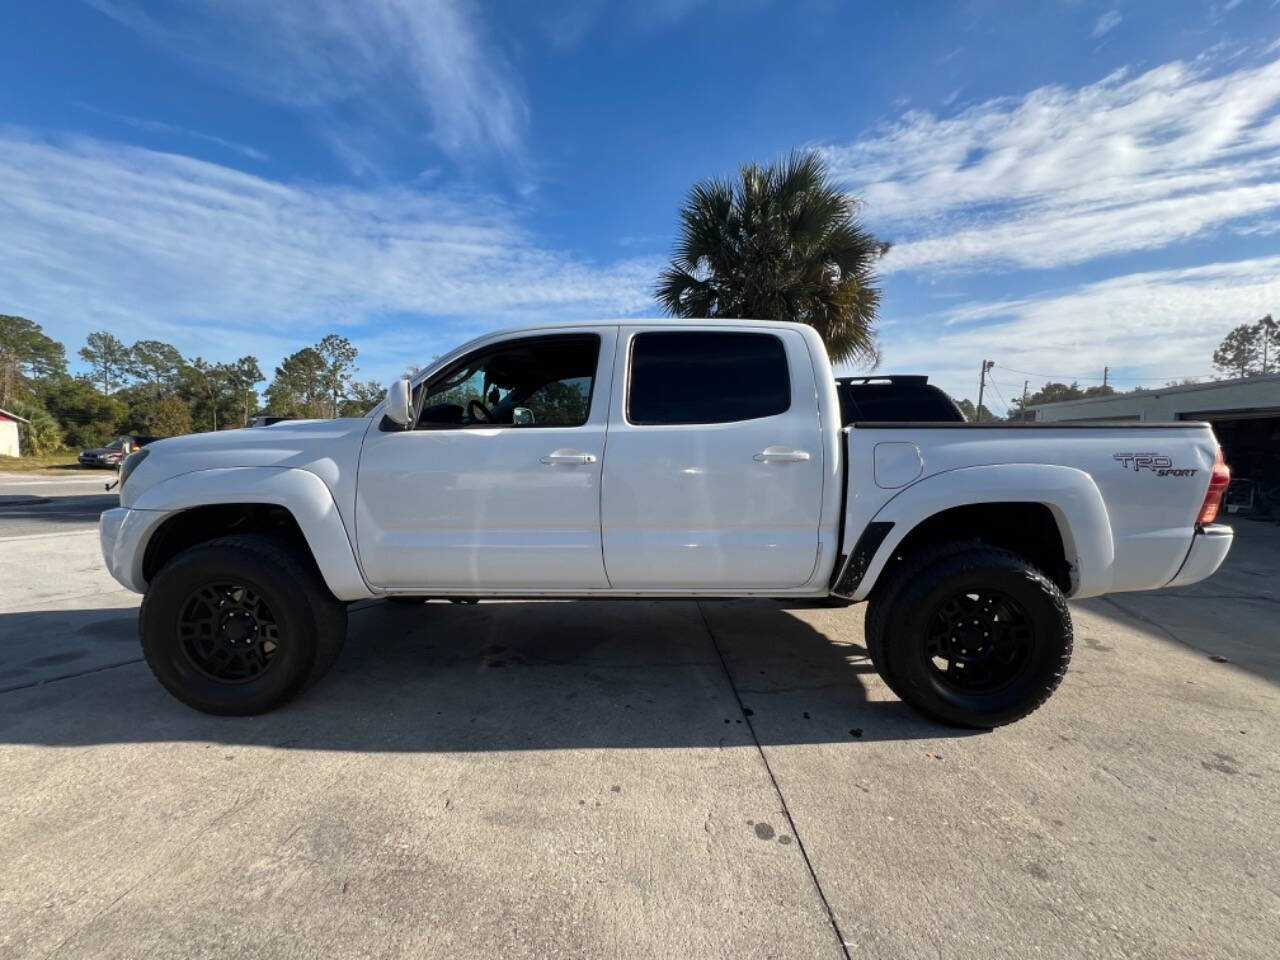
point(896, 398)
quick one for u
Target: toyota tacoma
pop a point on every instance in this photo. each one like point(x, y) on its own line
point(668, 459)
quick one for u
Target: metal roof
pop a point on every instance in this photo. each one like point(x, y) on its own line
point(1161, 391)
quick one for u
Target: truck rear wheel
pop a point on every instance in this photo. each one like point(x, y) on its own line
point(970, 635)
point(240, 625)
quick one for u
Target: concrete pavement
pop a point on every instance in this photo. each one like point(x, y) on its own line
point(635, 780)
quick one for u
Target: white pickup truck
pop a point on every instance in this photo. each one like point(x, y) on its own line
point(656, 459)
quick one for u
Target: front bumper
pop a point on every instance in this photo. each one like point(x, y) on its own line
point(1208, 549)
point(123, 534)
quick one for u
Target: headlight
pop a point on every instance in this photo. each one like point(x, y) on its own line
point(131, 463)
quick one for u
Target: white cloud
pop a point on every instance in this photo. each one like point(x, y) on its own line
point(1107, 22)
point(102, 235)
point(159, 126)
point(1151, 325)
point(331, 53)
point(1060, 176)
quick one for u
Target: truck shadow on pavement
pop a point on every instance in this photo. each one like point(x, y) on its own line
point(34, 508)
point(493, 676)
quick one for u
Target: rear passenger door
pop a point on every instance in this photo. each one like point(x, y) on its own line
point(713, 469)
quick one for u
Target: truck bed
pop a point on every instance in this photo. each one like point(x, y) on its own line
point(1139, 487)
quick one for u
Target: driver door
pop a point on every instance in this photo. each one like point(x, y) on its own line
point(498, 485)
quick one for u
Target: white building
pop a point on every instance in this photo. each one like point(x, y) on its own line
point(1245, 414)
point(9, 433)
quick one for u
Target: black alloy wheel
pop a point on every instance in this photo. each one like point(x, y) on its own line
point(971, 635)
point(240, 625)
point(979, 641)
point(228, 633)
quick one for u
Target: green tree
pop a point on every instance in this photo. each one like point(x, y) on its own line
point(170, 417)
point(782, 242)
point(158, 369)
point(1269, 338)
point(361, 398)
point(244, 376)
point(971, 414)
point(212, 392)
point(88, 417)
point(40, 435)
point(26, 355)
point(155, 363)
point(339, 358)
point(108, 357)
point(1240, 353)
point(298, 389)
point(1053, 392)
point(151, 410)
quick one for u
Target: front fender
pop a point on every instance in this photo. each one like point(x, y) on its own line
point(1069, 494)
point(301, 492)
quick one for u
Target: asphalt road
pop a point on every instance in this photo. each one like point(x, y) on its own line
point(44, 504)
point(633, 779)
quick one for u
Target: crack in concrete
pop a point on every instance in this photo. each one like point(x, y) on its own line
point(786, 810)
point(69, 676)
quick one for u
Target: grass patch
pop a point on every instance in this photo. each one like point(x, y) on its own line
point(63, 462)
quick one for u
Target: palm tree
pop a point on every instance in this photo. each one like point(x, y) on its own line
point(780, 243)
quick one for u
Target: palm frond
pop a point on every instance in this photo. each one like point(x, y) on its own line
point(780, 242)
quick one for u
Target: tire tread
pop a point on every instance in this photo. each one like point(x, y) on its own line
point(328, 614)
point(918, 576)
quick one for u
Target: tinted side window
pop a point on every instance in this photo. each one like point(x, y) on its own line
point(707, 377)
point(531, 382)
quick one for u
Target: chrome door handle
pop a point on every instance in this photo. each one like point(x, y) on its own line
point(565, 456)
point(781, 455)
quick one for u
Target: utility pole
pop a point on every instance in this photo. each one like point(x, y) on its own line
point(982, 385)
point(1105, 373)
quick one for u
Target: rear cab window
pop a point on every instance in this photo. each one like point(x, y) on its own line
point(691, 377)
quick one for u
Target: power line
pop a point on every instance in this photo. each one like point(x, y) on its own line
point(1106, 379)
point(996, 387)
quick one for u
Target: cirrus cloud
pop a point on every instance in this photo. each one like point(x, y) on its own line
point(400, 61)
point(101, 234)
point(1062, 176)
point(1147, 327)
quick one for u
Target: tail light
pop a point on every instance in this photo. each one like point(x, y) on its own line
point(1218, 482)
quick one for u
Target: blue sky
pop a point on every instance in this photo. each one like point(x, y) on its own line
point(1068, 185)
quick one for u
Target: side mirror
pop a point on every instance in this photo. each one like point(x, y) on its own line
point(399, 409)
point(522, 417)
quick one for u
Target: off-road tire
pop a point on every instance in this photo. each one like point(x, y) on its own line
point(900, 627)
point(896, 575)
point(311, 624)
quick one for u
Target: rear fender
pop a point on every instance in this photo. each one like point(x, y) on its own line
point(1069, 494)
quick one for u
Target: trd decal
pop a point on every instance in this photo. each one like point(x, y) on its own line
point(1157, 463)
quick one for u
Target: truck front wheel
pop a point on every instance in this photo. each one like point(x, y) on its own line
point(239, 625)
point(974, 636)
